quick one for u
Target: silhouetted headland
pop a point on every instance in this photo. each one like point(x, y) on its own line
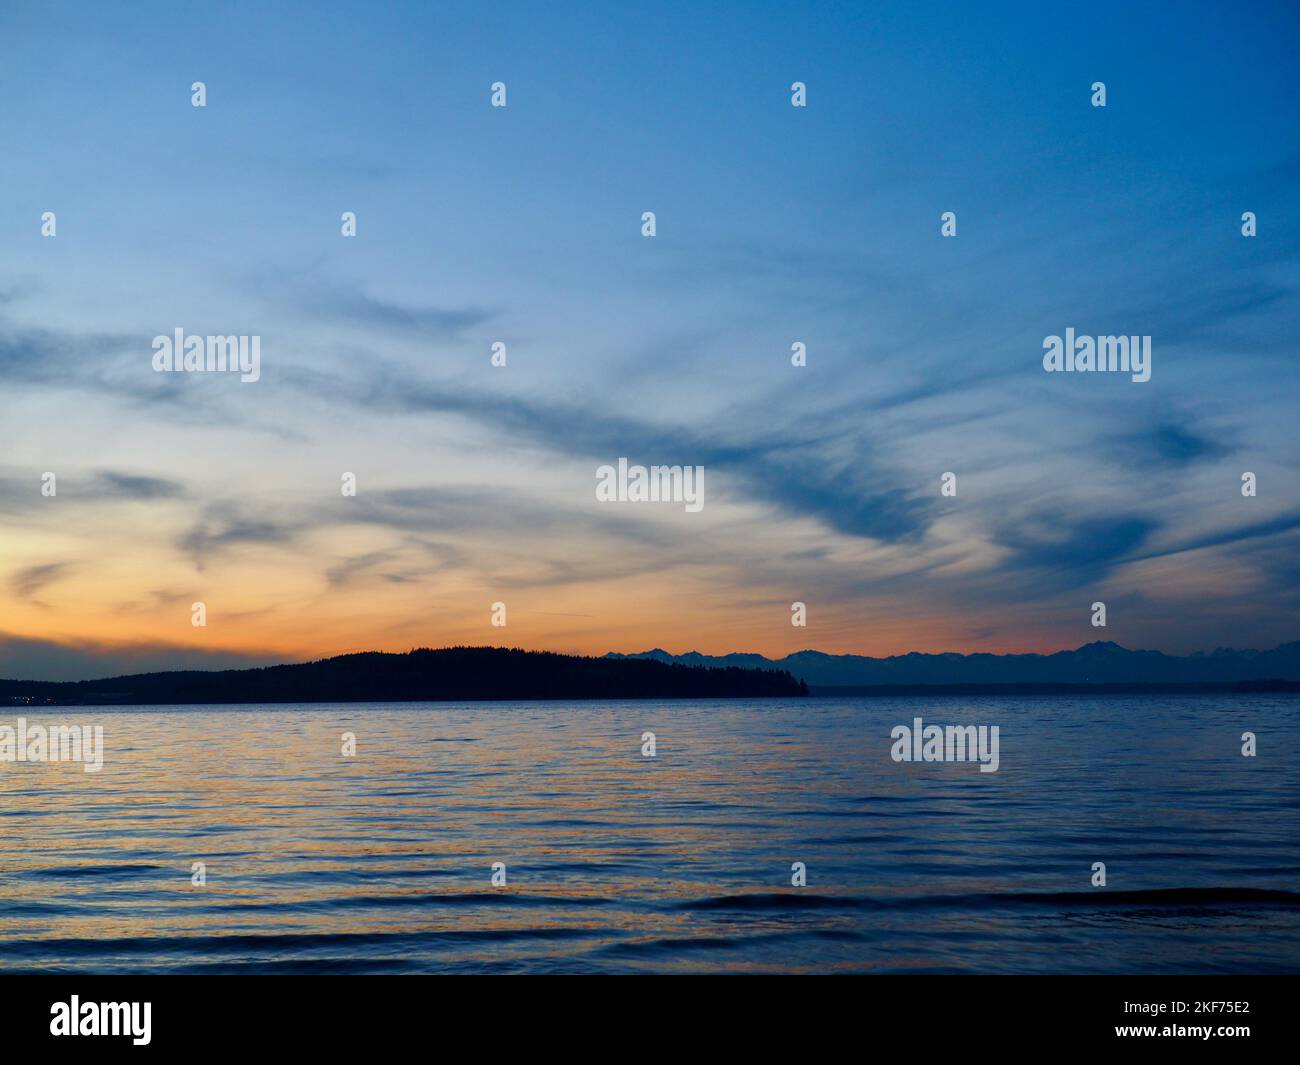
point(448, 674)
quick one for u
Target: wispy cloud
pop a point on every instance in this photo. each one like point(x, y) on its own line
point(1167, 444)
point(30, 580)
point(314, 293)
point(833, 472)
point(224, 525)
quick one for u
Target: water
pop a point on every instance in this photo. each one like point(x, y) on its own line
point(615, 862)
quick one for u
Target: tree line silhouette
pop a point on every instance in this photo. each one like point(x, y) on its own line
point(452, 673)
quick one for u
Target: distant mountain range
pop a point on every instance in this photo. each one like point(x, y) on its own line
point(1095, 664)
point(453, 673)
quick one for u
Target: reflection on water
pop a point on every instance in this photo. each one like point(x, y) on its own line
point(617, 862)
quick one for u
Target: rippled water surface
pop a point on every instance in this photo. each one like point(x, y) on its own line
point(617, 862)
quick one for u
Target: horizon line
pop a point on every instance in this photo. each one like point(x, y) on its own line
point(776, 662)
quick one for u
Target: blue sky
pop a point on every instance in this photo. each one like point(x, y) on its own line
point(522, 224)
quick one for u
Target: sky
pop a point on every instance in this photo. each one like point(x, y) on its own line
point(522, 225)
